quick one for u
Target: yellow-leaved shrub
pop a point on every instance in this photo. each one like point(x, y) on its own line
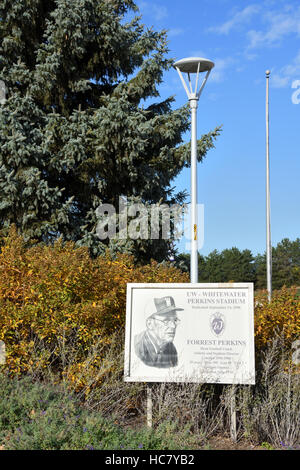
point(281, 314)
point(52, 297)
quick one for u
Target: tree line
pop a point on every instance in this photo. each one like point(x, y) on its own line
point(242, 266)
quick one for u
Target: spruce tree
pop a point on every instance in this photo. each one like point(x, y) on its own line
point(75, 130)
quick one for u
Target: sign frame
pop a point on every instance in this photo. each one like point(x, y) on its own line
point(176, 373)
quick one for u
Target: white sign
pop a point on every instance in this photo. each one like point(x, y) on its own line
point(190, 333)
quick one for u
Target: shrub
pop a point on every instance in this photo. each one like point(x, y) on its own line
point(281, 315)
point(39, 416)
point(56, 298)
point(269, 411)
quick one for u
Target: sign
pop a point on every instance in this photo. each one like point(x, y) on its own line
point(190, 333)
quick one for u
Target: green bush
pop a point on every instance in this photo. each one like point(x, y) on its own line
point(39, 416)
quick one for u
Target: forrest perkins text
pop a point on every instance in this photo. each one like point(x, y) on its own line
point(217, 342)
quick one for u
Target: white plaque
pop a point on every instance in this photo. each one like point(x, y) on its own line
point(190, 333)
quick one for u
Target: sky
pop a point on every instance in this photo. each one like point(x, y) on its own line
point(243, 39)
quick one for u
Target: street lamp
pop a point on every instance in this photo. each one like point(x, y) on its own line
point(193, 65)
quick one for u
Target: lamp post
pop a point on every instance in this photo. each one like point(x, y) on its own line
point(269, 245)
point(194, 65)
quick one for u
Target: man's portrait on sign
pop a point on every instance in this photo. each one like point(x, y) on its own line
point(154, 346)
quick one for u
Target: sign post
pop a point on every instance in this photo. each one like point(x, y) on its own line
point(233, 430)
point(149, 405)
point(2, 353)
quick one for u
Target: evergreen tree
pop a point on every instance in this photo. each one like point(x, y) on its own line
point(285, 265)
point(214, 269)
point(238, 265)
point(75, 131)
point(228, 265)
point(183, 260)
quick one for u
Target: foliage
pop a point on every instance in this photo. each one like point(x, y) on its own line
point(231, 264)
point(77, 129)
point(44, 415)
point(57, 302)
point(63, 324)
point(62, 321)
point(228, 265)
point(285, 265)
point(241, 266)
point(40, 416)
point(281, 315)
point(270, 411)
point(55, 297)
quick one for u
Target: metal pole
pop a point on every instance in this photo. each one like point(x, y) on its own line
point(269, 245)
point(149, 405)
point(194, 222)
point(233, 428)
point(2, 353)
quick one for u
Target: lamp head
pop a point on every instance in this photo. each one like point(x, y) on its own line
point(190, 64)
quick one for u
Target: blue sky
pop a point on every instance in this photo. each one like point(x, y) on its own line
point(244, 39)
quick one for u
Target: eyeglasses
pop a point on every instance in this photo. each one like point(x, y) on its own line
point(166, 323)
